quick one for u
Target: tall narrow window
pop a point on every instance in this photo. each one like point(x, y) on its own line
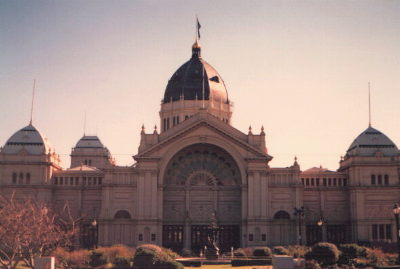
point(386, 179)
point(21, 178)
point(374, 232)
point(381, 231)
point(325, 182)
point(345, 182)
point(14, 178)
point(56, 180)
point(388, 231)
point(28, 178)
point(373, 179)
point(317, 181)
point(76, 180)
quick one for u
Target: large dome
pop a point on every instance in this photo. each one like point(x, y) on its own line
point(28, 139)
point(188, 81)
point(370, 142)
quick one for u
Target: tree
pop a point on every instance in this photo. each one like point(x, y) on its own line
point(29, 229)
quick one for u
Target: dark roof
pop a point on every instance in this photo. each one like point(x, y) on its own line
point(188, 81)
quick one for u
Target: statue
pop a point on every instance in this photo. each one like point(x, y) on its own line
point(212, 250)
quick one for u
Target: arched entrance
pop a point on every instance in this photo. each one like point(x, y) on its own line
point(200, 180)
point(282, 231)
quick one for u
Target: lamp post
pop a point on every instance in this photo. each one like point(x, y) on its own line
point(94, 233)
point(299, 213)
point(320, 222)
point(396, 212)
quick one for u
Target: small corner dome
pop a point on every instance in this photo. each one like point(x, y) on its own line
point(28, 139)
point(89, 142)
point(370, 142)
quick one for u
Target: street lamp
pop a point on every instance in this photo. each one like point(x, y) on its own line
point(94, 234)
point(320, 222)
point(299, 212)
point(396, 212)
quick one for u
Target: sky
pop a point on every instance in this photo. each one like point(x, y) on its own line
point(299, 68)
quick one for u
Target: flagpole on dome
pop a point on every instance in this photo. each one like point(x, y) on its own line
point(33, 98)
point(198, 25)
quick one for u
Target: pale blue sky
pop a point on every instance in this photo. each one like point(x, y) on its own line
point(300, 68)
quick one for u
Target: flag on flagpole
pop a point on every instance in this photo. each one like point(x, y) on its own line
point(198, 28)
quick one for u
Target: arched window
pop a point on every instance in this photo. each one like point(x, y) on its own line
point(281, 215)
point(122, 214)
point(379, 179)
point(21, 178)
point(28, 178)
point(373, 179)
point(14, 178)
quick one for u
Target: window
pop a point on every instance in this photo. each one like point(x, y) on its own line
point(388, 231)
point(77, 181)
point(379, 179)
point(334, 182)
point(317, 181)
point(302, 181)
point(325, 182)
point(100, 180)
point(71, 181)
point(264, 237)
point(14, 178)
point(122, 214)
point(373, 180)
point(165, 125)
point(153, 237)
point(251, 237)
point(307, 181)
point(374, 232)
point(386, 179)
point(84, 180)
point(345, 182)
point(312, 182)
point(61, 181)
point(21, 178)
point(89, 181)
point(56, 180)
point(177, 119)
point(28, 178)
point(340, 182)
point(186, 117)
point(140, 237)
point(329, 182)
point(381, 232)
point(95, 181)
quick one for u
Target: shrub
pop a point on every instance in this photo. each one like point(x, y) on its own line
point(262, 252)
point(96, 259)
point(298, 251)
point(173, 255)
point(350, 252)
point(186, 252)
point(122, 262)
point(312, 264)
point(279, 250)
point(73, 259)
point(239, 253)
point(168, 264)
point(151, 256)
point(79, 258)
point(111, 253)
point(324, 254)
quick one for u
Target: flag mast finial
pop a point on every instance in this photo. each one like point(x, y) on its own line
point(369, 104)
point(33, 98)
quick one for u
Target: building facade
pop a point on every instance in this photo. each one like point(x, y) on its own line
point(198, 165)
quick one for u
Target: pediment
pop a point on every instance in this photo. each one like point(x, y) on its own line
point(203, 128)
